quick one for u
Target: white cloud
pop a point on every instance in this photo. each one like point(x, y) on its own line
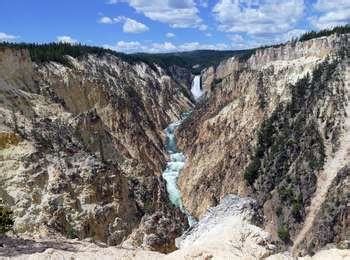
point(132, 26)
point(162, 47)
point(326, 5)
point(291, 34)
point(4, 37)
point(203, 3)
point(129, 26)
point(258, 16)
point(253, 41)
point(202, 27)
point(170, 35)
point(106, 20)
point(331, 13)
point(236, 38)
point(135, 46)
point(122, 46)
point(66, 39)
point(176, 13)
point(198, 46)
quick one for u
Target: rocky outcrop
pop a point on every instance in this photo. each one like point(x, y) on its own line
point(266, 128)
point(81, 147)
point(226, 232)
point(181, 75)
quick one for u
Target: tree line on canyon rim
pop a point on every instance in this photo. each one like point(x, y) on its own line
point(194, 61)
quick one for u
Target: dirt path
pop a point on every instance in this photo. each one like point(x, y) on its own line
point(333, 165)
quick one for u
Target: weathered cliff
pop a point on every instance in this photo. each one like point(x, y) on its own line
point(269, 127)
point(81, 147)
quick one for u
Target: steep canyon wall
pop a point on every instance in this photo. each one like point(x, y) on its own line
point(269, 128)
point(81, 148)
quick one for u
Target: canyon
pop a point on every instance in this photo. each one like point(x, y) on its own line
point(106, 157)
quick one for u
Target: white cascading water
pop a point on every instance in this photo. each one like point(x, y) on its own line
point(196, 88)
point(177, 159)
point(174, 166)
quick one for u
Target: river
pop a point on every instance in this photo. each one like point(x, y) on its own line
point(177, 158)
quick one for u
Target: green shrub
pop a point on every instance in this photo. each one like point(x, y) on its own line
point(252, 171)
point(279, 211)
point(286, 194)
point(6, 219)
point(296, 208)
point(283, 233)
point(71, 232)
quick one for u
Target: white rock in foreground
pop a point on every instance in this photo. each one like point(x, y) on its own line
point(328, 254)
point(226, 232)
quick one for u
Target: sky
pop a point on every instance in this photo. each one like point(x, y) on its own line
point(167, 25)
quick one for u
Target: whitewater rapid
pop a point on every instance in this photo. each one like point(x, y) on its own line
point(176, 158)
point(174, 165)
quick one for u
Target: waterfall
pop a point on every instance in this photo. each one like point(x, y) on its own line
point(196, 88)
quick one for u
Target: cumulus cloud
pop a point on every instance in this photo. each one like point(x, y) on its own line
point(162, 47)
point(202, 27)
point(170, 35)
point(204, 3)
point(108, 20)
point(199, 46)
point(122, 46)
point(135, 46)
point(129, 25)
point(66, 39)
point(4, 37)
point(258, 17)
point(176, 13)
point(132, 26)
point(331, 13)
point(253, 41)
point(295, 33)
point(236, 38)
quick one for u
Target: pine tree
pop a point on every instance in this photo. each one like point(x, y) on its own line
point(6, 219)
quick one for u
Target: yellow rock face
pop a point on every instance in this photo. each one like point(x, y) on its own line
point(8, 139)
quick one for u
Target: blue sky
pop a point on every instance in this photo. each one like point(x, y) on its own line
point(167, 25)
